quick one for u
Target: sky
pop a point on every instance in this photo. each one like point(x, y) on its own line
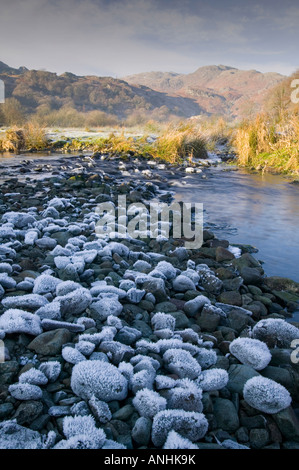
point(123, 37)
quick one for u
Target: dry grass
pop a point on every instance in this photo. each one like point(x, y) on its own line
point(263, 145)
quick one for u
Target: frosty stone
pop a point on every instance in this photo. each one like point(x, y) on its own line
point(175, 441)
point(105, 307)
point(14, 436)
point(213, 379)
point(266, 395)
point(25, 391)
point(181, 362)
point(75, 302)
point(72, 355)
point(98, 378)
point(45, 283)
point(251, 352)
point(275, 332)
point(19, 321)
point(194, 306)
point(182, 284)
point(190, 425)
point(28, 301)
point(33, 377)
point(148, 403)
point(51, 369)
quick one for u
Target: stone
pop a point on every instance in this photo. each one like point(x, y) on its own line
point(50, 343)
point(251, 275)
point(239, 374)
point(141, 432)
point(192, 307)
point(182, 284)
point(266, 395)
point(226, 415)
point(209, 319)
point(157, 288)
point(14, 436)
point(6, 410)
point(258, 438)
point(288, 424)
point(28, 412)
point(230, 297)
point(222, 254)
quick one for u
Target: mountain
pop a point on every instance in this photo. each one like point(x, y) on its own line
point(39, 90)
point(218, 89)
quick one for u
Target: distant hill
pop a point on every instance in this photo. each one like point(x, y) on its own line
point(209, 90)
point(218, 89)
point(36, 89)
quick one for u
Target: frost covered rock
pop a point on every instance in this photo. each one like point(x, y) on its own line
point(167, 269)
point(148, 403)
point(34, 377)
point(182, 284)
point(141, 266)
point(66, 287)
point(100, 410)
point(72, 355)
point(49, 324)
point(251, 352)
point(19, 321)
point(25, 391)
point(135, 295)
point(45, 283)
point(275, 332)
point(190, 425)
point(101, 289)
point(19, 219)
point(85, 347)
point(14, 436)
point(186, 395)
point(75, 302)
point(206, 357)
point(143, 379)
point(86, 322)
point(106, 307)
point(5, 268)
point(51, 369)
point(266, 395)
point(212, 379)
point(50, 311)
point(192, 307)
point(176, 441)
point(164, 382)
point(2, 292)
point(81, 433)
point(7, 282)
point(180, 362)
point(27, 302)
point(46, 243)
point(98, 378)
point(161, 321)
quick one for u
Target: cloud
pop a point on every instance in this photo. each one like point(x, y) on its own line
point(119, 37)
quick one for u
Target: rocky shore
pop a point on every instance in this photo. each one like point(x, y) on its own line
point(128, 344)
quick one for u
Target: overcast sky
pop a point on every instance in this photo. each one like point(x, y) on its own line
point(121, 37)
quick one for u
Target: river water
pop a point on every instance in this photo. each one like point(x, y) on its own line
point(242, 207)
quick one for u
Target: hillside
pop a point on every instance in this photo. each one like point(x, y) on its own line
point(39, 91)
point(217, 89)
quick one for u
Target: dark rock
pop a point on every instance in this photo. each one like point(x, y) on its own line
point(28, 411)
point(230, 297)
point(288, 424)
point(238, 376)
point(8, 371)
point(251, 275)
point(51, 342)
point(123, 413)
point(141, 431)
point(5, 410)
point(222, 254)
point(258, 438)
point(226, 415)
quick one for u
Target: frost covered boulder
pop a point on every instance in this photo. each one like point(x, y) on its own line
point(148, 403)
point(29, 302)
point(251, 352)
point(14, 436)
point(166, 269)
point(98, 378)
point(34, 377)
point(19, 219)
point(75, 302)
point(176, 441)
point(161, 321)
point(206, 357)
point(19, 321)
point(180, 362)
point(51, 369)
point(192, 307)
point(212, 379)
point(186, 395)
point(275, 332)
point(190, 425)
point(105, 307)
point(182, 284)
point(45, 283)
point(266, 395)
point(25, 391)
point(81, 433)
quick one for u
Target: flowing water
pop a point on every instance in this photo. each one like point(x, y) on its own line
point(255, 209)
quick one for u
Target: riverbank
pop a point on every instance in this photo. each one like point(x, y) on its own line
point(132, 341)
